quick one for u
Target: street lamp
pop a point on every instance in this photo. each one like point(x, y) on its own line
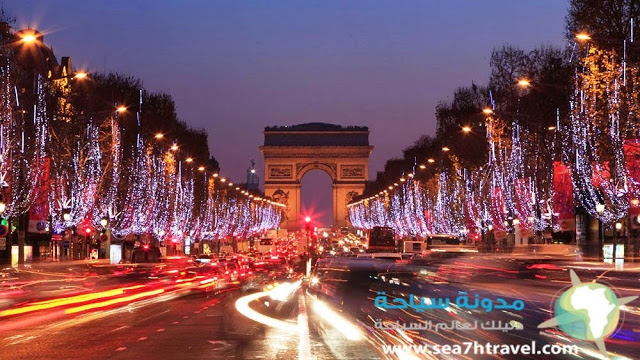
point(583, 37)
point(3, 207)
point(466, 129)
point(600, 211)
point(524, 83)
point(618, 227)
point(28, 38)
point(81, 75)
point(66, 214)
point(104, 221)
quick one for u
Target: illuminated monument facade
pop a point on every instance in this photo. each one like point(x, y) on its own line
point(292, 151)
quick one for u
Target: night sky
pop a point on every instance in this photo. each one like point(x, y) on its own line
point(234, 67)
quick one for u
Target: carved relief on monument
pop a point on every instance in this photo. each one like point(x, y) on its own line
point(351, 195)
point(352, 171)
point(282, 197)
point(280, 171)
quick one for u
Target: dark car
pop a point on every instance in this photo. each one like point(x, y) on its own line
point(146, 254)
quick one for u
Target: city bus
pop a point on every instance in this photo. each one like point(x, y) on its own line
point(381, 239)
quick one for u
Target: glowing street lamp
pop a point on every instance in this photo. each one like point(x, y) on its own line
point(3, 207)
point(189, 160)
point(159, 136)
point(466, 129)
point(431, 160)
point(28, 38)
point(104, 221)
point(445, 148)
point(583, 37)
point(66, 214)
point(307, 219)
point(487, 111)
point(524, 83)
point(121, 109)
point(81, 75)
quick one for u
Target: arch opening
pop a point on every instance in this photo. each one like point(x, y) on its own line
point(316, 195)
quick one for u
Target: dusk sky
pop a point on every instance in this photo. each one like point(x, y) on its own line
point(234, 67)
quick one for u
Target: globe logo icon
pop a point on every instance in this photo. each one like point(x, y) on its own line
point(587, 311)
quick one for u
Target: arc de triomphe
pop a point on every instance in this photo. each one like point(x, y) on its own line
point(291, 151)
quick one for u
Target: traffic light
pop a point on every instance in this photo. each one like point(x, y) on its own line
point(4, 222)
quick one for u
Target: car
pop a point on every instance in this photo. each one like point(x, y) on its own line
point(146, 254)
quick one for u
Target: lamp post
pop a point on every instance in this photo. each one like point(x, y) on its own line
point(511, 236)
point(484, 244)
point(618, 227)
point(106, 225)
point(491, 239)
point(66, 216)
point(600, 210)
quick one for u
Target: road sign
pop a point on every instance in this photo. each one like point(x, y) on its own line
point(3, 230)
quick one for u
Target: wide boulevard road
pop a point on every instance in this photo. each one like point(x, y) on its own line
point(144, 313)
point(185, 327)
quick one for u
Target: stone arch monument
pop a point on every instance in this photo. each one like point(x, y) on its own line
point(292, 151)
